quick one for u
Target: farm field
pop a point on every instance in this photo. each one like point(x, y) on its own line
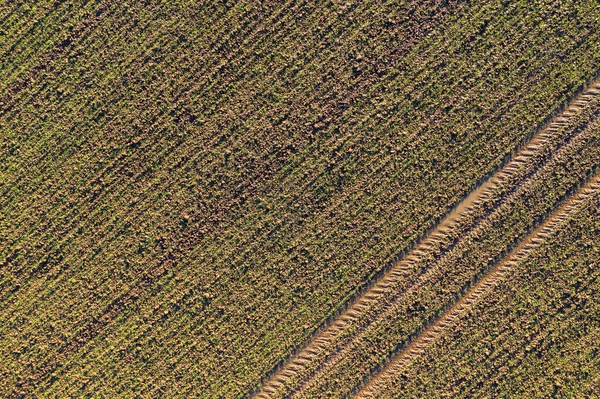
point(193, 193)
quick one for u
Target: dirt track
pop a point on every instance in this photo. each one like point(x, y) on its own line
point(484, 285)
point(329, 344)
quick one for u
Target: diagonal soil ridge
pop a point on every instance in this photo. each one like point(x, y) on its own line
point(484, 285)
point(463, 218)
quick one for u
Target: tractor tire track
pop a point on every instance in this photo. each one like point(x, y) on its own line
point(484, 285)
point(454, 257)
point(463, 218)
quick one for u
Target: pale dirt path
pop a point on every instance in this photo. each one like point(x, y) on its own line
point(436, 269)
point(337, 334)
point(491, 279)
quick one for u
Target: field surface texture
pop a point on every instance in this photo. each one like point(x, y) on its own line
point(299, 199)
